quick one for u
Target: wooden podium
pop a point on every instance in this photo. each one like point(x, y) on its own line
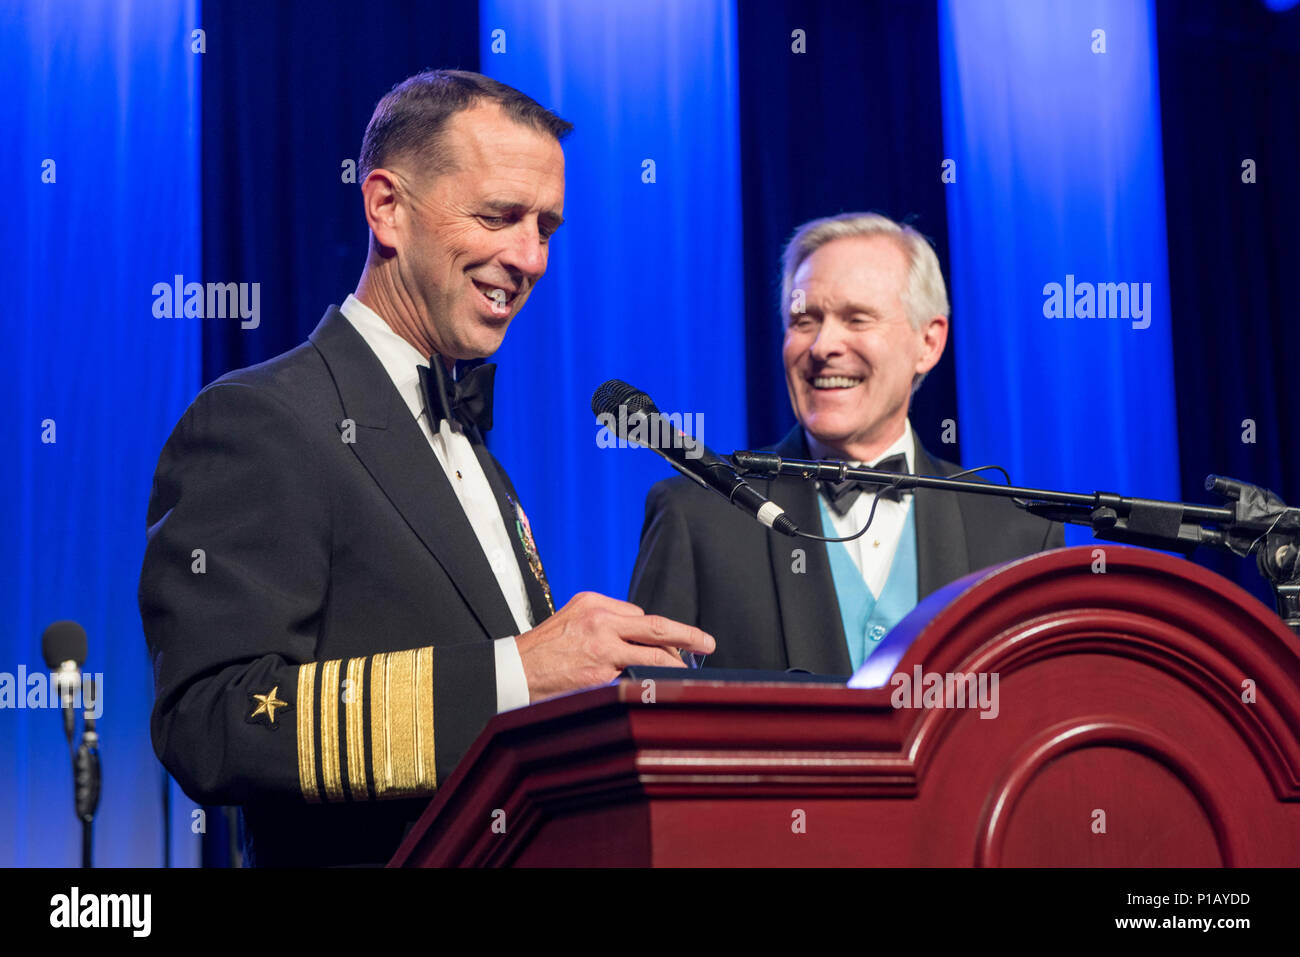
point(1146, 715)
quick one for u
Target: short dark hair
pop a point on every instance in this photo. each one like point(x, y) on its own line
point(410, 118)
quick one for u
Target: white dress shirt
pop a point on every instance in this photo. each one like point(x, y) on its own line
point(873, 553)
point(400, 360)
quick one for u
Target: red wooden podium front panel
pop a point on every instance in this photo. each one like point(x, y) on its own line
point(1148, 716)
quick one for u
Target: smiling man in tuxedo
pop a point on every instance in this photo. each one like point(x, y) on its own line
point(340, 587)
point(866, 317)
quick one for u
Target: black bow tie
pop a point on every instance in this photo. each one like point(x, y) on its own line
point(840, 496)
point(467, 401)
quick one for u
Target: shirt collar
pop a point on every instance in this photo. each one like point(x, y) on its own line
point(905, 443)
point(399, 358)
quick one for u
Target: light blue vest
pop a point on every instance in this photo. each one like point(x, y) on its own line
point(866, 618)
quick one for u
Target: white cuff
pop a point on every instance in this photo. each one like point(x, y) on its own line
point(512, 684)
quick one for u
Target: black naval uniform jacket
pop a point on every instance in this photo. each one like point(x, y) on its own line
point(319, 612)
point(708, 564)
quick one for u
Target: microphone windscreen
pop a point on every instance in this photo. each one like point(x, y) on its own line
point(63, 641)
point(608, 397)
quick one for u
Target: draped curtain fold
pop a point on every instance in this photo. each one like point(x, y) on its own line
point(102, 164)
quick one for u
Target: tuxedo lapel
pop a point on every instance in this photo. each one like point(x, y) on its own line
point(941, 552)
point(810, 610)
point(507, 499)
point(397, 455)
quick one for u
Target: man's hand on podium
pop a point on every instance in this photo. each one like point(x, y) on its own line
point(593, 638)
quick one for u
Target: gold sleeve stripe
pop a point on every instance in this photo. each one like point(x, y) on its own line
point(401, 723)
point(400, 720)
point(355, 702)
point(390, 696)
point(381, 755)
point(425, 771)
point(330, 755)
point(306, 717)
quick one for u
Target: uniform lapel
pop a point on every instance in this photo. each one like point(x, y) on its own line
point(810, 611)
point(393, 449)
point(941, 553)
point(507, 499)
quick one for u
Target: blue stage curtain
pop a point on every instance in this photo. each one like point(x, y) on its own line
point(288, 88)
point(644, 280)
point(108, 93)
point(1229, 77)
point(1058, 174)
point(852, 123)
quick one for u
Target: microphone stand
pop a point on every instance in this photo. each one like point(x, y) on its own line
point(1255, 522)
point(86, 783)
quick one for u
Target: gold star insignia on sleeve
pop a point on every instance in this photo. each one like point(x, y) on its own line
point(266, 704)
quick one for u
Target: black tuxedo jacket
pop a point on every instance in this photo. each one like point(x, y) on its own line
point(708, 564)
point(319, 612)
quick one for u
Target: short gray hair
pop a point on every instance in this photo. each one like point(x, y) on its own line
point(925, 294)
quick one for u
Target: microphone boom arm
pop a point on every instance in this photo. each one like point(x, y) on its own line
point(1256, 522)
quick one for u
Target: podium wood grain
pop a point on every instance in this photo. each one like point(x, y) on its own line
point(1126, 734)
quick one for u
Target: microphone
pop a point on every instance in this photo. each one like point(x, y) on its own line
point(64, 646)
point(688, 455)
point(1229, 488)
